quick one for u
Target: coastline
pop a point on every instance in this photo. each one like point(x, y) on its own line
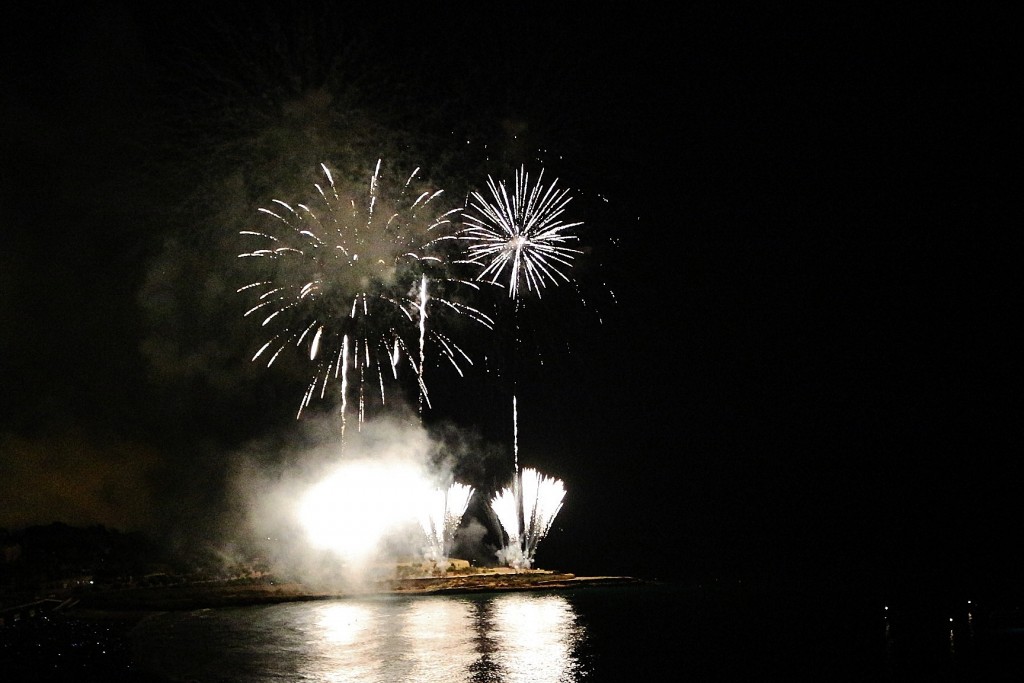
point(132, 603)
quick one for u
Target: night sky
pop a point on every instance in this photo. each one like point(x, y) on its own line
point(803, 363)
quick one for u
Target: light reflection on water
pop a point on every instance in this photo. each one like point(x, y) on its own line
point(536, 638)
point(496, 638)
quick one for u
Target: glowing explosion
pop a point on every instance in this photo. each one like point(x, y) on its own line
point(351, 280)
point(353, 509)
point(362, 504)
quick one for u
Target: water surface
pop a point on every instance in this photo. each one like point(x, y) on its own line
point(605, 633)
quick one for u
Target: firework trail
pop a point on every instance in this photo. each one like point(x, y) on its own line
point(352, 279)
point(517, 239)
point(441, 517)
point(526, 511)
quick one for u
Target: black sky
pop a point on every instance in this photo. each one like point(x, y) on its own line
point(809, 366)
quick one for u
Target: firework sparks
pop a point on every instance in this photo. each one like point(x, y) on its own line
point(352, 279)
point(526, 511)
point(520, 238)
point(441, 517)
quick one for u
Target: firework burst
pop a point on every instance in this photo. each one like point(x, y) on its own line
point(520, 238)
point(352, 279)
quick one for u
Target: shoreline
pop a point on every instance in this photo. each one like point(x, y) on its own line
point(137, 602)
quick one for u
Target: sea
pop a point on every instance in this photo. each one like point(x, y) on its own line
point(641, 631)
point(626, 631)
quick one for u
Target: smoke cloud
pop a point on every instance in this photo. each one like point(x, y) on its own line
point(333, 512)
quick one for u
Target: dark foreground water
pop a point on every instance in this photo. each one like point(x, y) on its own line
point(634, 632)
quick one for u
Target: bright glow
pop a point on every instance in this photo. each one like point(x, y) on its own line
point(343, 623)
point(365, 506)
point(360, 504)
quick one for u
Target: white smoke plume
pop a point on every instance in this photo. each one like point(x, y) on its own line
point(333, 515)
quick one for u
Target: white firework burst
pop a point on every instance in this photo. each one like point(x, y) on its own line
point(520, 237)
point(351, 278)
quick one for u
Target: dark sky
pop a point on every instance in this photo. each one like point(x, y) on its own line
point(807, 365)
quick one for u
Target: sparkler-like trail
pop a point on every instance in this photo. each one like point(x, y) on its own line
point(351, 278)
point(526, 511)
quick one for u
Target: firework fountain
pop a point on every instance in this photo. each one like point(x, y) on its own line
point(441, 516)
point(526, 511)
